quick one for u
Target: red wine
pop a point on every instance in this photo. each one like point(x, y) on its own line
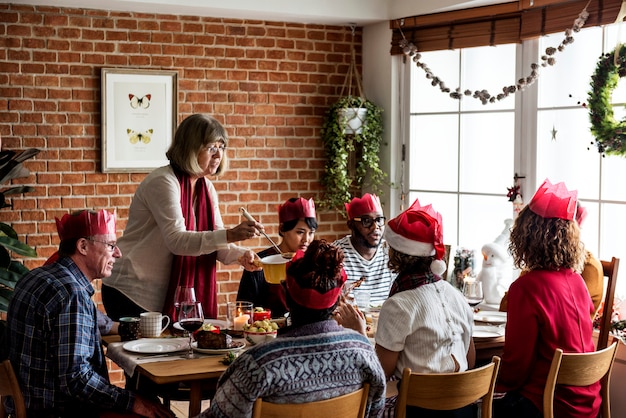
point(191, 324)
point(473, 302)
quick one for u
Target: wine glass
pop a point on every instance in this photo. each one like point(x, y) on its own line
point(473, 292)
point(183, 294)
point(190, 318)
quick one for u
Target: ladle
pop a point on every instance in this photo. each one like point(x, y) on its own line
point(249, 217)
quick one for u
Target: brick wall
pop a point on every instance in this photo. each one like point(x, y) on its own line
point(269, 83)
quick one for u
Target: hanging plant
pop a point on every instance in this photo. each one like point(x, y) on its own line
point(343, 144)
point(610, 134)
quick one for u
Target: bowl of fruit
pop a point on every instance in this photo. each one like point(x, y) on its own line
point(260, 331)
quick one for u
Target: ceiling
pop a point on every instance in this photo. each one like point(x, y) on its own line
point(328, 12)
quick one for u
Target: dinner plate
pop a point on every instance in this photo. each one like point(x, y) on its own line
point(157, 345)
point(493, 317)
point(216, 322)
point(487, 332)
point(235, 346)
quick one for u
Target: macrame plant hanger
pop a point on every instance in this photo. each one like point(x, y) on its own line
point(353, 75)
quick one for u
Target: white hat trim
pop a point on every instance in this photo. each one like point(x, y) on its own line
point(408, 246)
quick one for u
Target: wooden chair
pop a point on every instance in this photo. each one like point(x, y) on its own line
point(9, 386)
point(610, 271)
point(447, 391)
point(351, 405)
point(580, 369)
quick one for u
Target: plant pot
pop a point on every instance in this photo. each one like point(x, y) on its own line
point(353, 119)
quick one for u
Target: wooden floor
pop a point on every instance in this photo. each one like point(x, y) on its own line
point(181, 408)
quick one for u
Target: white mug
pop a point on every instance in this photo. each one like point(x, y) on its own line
point(152, 324)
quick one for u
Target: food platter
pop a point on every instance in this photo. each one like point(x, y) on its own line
point(218, 323)
point(235, 346)
point(492, 317)
point(157, 345)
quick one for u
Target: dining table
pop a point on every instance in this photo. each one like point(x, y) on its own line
point(170, 368)
point(489, 327)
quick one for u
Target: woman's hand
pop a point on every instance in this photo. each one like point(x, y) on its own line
point(250, 261)
point(244, 231)
point(349, 317)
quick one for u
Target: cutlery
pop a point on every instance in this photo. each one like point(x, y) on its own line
point(249, 217)
point(158, 355)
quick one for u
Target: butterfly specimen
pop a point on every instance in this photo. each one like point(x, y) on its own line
point(134, 137)
point(139, 102)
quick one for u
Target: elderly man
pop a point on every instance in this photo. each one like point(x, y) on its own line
point(53, 337)
point(366, 251)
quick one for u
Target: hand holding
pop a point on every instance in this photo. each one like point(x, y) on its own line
point(250, 261)
point(350, 317)
point(244, 231)
point(151, 409)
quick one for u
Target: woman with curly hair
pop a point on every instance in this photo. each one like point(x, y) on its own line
point(549, 307)
point(311, 360)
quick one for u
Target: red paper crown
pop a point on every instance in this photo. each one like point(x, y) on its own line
point(554, 201)
point(418, 231)
point(301, 208)
point(358, 206)
point(86, 224)
point(313, 298)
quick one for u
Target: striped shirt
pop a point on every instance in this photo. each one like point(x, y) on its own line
point(378, 276)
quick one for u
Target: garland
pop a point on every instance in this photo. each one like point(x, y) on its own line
point(610, 134)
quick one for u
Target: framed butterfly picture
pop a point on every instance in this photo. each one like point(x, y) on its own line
point(139, 114)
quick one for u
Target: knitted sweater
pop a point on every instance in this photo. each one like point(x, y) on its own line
point(304, 364)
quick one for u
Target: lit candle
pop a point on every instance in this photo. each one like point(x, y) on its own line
point(240, 321)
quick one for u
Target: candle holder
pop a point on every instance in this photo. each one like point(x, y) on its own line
point(239, 313)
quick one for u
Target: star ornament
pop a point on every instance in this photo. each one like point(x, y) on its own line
point(553, 132)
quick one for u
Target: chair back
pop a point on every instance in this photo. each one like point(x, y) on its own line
point(580, 369)
point(351, 405)
point(447, 391)
point(9, 386)
point(610, 271)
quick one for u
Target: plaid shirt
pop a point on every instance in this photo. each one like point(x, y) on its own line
point(54, 343)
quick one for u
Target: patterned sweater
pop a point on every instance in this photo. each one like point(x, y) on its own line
point(303, 364)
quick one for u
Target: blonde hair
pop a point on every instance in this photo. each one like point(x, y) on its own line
point(193, 134)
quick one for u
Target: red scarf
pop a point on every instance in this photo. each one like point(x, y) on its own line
point(412, 281)
point(196, 271)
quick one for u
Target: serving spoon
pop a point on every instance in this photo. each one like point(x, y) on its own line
point(249, 217)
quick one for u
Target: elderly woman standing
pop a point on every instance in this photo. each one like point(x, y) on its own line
point(548, 308)
point(175, 231)
point(314, 358)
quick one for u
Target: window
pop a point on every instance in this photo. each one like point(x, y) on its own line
point(463, 155)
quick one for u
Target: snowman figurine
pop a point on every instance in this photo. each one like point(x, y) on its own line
point(495, 275)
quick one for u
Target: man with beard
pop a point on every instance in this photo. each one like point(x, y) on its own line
point(366, 252)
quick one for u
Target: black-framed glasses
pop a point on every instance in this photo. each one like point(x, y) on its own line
point(368, 222)
point(111, 246)
point(215, 148)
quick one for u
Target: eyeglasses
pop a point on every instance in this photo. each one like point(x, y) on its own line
point(214, 149)
point(368, 222)
point(111, 246)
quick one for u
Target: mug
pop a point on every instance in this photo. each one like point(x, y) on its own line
point(152, 324)
point(128, 328)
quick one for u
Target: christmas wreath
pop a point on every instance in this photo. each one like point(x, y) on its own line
point(610, 134)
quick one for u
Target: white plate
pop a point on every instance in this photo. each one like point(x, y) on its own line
point(487, 332)
point(493, 317)
point(157, 345)
point(236, 346)
point(216, 322)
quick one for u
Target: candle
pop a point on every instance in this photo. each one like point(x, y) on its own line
point(240, 321)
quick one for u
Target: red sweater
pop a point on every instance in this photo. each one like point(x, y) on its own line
point(548, 310)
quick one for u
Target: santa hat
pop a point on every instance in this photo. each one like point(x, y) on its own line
point(312, 298)
point(358, 206)
point(554, 201)
point(300, 208)
point(418, 231)
point(86, 224)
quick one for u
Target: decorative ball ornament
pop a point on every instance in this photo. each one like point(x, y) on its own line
point(610, 134)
